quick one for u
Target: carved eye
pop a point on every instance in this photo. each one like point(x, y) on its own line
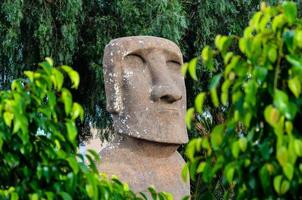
point(134, 61)
point(174, 65)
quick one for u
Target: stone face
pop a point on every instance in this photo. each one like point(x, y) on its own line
point(146, 97)
point(145, 89)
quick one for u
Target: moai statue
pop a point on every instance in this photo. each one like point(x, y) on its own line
point(146, 97)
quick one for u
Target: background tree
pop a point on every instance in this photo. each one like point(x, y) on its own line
point(75, 32)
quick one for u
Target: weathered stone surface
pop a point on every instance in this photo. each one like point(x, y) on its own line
point(146, 97)
point(145, 90)
point(144, 163)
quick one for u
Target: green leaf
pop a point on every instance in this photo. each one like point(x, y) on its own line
point(298, 38)
point(214, 97)
point(73, 164)
point(89, 190)
point(153, 193)
point(229, 171)
point(289, 127)
point(206, 53)
point(264, 177)
point(295, 86)
point(243, 144)
point(30, 75)
point(207, 58)
point(222, 43)
point(143, 195)
point(71, 130)
point(46, 67)
point(34, 196)
point(189, 117)
point(77, 111)
point(217, 136)
point(201, 167)
point(49, 61)
point(8, 117)
point(277, 183)
point(235, 149)
point(298, 147)
point(65, 196)
point(278, 22)
point(288, 170)
point(272, 54)
point(290, 11)
point(215, 81)
point(288, 37)
point(185, 173)
point(224, 92)
point(284, 187)
point(199, 100)
point(260, 74)
point(294, 60)
point(184, 68)
point(228, 57)
point(73, 75)
point(192, 68)
point(67, 100)
point(14, 196)
point(282, 156)
point(281, 100)
point(271, 115)
point(58, 79)
point(190, 150)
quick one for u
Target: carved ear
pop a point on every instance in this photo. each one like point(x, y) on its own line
point(112, 77)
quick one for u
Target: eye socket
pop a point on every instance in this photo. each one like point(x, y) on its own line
point(134, 60)
point(173, 64)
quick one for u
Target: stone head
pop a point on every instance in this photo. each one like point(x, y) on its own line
point(145, 89)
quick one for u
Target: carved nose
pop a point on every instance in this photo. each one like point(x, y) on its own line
point(166, 94)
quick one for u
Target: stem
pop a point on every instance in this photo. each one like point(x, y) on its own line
point(197, 188)
point(277, 72)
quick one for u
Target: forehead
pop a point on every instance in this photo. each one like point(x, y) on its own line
point(122, 47)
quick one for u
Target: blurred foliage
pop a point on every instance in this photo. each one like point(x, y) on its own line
point(75, 32)
point(254, 151)
point(37, 116)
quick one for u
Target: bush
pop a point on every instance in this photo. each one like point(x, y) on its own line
point(38, 142)
point(256, 152)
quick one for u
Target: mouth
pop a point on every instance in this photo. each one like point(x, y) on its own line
point(174, 111)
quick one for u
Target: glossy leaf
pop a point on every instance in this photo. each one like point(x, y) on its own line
point(288, 170)
point(277, 184)
point(295, 86)
point(271, 115)
point(217, 136)
point(290, 11)
point(73, 75)
point(199, 101)
point(189, 117)
point(229, 172)
point(192, 68)
point(67, 100)
point(8, 117)
point(282, 156)
point(243, 144)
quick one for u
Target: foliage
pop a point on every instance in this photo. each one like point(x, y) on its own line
point(256, 150)
point(38, 142)
point(75, 32)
